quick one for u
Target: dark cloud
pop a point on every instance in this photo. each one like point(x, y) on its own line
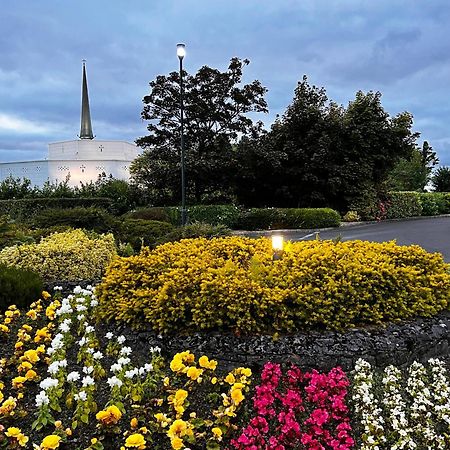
point(399, 47)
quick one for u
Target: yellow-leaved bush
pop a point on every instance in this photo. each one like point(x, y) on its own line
point(71, 255)
point(233, 283)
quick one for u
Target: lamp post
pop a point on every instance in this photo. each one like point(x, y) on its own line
point(181, 52)
point(277, 246)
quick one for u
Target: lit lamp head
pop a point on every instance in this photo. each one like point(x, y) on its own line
point(181, 51)
point(277, 246)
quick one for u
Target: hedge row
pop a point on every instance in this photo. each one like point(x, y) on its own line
point(250, 219)
point(399, 205)
point(24, 208)
point(234, 284)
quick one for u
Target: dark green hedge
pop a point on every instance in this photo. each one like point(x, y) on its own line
point(24, 208)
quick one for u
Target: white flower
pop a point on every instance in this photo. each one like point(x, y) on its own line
point(81, 308)
point(109, 335)
point(42, 399)
point(87, 381)
point(116, 367)
point(80, 317)
point(81, 396)
point(64, 327)
point(73, 376)
point(114, 381)
point(82, 341)
point(123, 361)
point(58, 288)
point(90, 351)
point(88, 370)
point(48, 383)
point(121, 339)
point(155, 349)
point(94, 303)
point(98, 355)
point(89, 329)
point(77, 289)
point(125, 351)
point(131, 373)
point(53, 367)
point(148, 367)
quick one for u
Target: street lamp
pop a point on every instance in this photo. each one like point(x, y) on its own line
point(181, 52)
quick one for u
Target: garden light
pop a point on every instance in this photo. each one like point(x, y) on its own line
point(277, 246)
point(181, 52)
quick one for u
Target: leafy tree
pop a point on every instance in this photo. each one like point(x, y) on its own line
point(215, 106)
point(11, 188)
point(413, 174)
point(441, 179)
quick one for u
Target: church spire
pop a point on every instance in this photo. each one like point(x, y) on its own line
point(86, 126)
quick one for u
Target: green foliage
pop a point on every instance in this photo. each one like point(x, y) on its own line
point(195, 230)
point(366, 203)
point(413, 173)
point(153, 213)
point(441, 179)
point(139, 232)
point(214, 214)
point(24, 209)
point(11, 188)
point(18, 287)
point(288, 218)
point(91, 218)
point(13, 234)
point(235, 284)
point(429, 203)
point(215, 105)
point(403, 204)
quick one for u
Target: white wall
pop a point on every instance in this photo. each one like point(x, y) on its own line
point(35, 171)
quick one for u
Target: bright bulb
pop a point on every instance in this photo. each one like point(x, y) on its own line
point(277, 243)
point(181, 51)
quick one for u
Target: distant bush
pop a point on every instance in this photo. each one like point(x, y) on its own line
point(214, 214)
point(195, 230)
point(96, 219)
point(71, 255)
point(234, 284)
point(289, 218)
point(351, 216)
point(25, 208)
point(430, 204)
point(403, 204)
point(160, 214)
point(18, 287)
point(139, 232)
point(13, 234)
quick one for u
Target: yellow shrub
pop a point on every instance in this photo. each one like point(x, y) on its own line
point(233, 283)
point(72, 255)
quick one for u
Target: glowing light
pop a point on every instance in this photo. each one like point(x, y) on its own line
point(181, 51)
point(277, 243)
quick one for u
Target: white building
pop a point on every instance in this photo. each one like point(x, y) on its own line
point(83, 159)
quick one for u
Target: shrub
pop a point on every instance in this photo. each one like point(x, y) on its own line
point(214, 214)
point(310, 218)
point(234, 284)
point(139, 232)
point(260, 219)
point(403, 204)
point(155, 213)
point(195, 230)
point(18, 287)
point(351, 216)
point(23, 209)
point(429, 204)
point(12, 234)
point(95, 219)
point(71, 255)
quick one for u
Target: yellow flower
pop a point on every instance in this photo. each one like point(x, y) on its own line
point(135, 440)
point(4, 328)
point(7, 320)
point(15, 433)
point(32, 314)
point(217, 433)
point(50, 442)
point(179, 428)
point(27, 327)
point(246, 371)
point(213, 380)
point(31, 356)
point(109, 416)
point(42, 335)
point(18, 345)
point(58, 424)
point(45, 295)
point(203, 361)
point(94, 441)
point(24, 366)
point(17, 382)
point(134, 422)
point(181, 395)
point(31, 374)
point(177, 443)
point(236, 395)
point(193, 373)
point(162, 419)
point(176, 365)
point(68, 432)
point(8, 406)
point(230, 378)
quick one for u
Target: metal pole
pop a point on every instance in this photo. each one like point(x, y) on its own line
point(183, 174)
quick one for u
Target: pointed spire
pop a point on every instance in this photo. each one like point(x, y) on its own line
point(86, 126)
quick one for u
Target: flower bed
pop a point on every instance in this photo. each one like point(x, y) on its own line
point(65, 383)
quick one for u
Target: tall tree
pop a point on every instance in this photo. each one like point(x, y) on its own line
point(215, 105)
point(414, 173)
point(441, 179)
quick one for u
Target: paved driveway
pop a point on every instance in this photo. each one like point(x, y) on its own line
point(432, 233)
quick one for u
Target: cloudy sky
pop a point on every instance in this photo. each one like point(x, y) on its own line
point(398, 47)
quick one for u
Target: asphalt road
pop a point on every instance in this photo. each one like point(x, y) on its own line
point(433, 234)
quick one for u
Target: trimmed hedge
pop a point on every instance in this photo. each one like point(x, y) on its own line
point(72, 255)
point(24, 208)
point(139, 232)
point(288, 218)
point(18, 287)
point(403, 204)
point(234, 284)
